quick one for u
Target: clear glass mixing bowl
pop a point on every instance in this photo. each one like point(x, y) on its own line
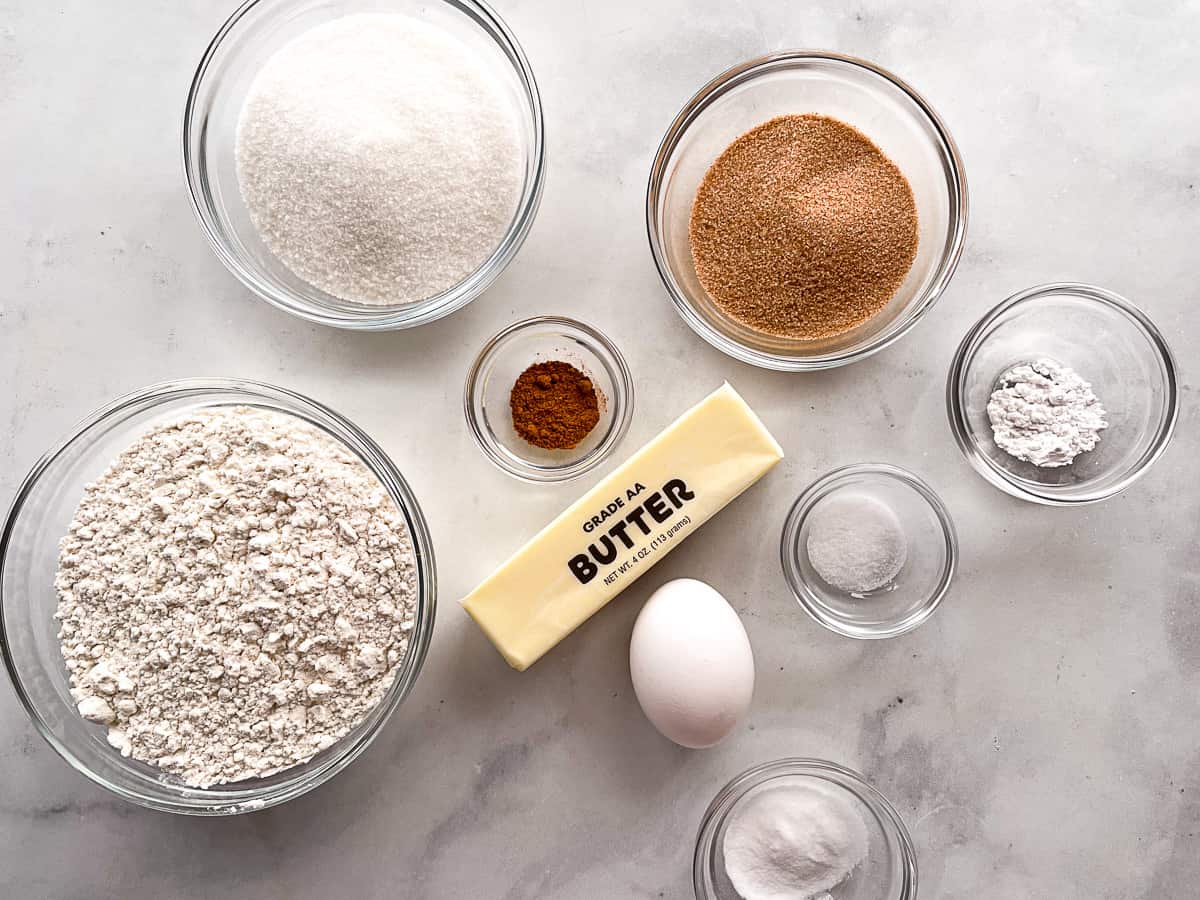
point(889, 871)
point(245, 42)
point(875, 102)
point(1110, 343)
point(38, 519)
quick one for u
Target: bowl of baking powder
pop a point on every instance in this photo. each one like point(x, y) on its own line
point(1063, 394)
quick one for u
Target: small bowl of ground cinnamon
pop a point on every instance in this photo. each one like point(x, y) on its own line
point(548, 398)
point(805, 209)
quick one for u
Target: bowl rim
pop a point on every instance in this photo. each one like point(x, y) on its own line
point(740, 74)
point(233, 801)
point(385, 318)
point(737, 787)
point(622, 402)
point(803, 593)
point(974, 339)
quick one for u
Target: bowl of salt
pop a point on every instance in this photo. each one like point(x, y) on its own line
point(869, 551)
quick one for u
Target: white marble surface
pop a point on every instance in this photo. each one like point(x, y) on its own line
point(1046, 745)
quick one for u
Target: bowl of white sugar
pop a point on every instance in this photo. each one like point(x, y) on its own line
point(213, 595)
point(361, 164)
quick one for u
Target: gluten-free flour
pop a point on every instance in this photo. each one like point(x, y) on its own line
point(236, 593)
point(379, 158)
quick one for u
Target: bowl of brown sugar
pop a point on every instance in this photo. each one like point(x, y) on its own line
point(805, 209)
point(548, 398)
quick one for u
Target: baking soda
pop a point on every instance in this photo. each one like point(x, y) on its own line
point(794, 843)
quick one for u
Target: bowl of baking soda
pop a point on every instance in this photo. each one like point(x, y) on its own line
point(804, 829)
point(869, 551)
point(361, 164)
point(1063, 394)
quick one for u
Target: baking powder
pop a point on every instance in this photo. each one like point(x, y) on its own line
point(1044, 413)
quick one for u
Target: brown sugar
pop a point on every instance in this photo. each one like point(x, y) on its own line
point(803, 228)
point(554, 405)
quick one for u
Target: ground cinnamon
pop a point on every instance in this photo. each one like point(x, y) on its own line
point(554, 405)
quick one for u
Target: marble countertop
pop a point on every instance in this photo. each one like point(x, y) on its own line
point(1048, 742)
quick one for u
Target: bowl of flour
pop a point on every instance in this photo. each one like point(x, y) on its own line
point(365, 165)
point(213, 595)
point(1063, 394)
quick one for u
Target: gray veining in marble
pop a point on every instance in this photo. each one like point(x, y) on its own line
point(1048, 742)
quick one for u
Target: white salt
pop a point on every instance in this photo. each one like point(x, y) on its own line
point(380, 158)
point(856, 542)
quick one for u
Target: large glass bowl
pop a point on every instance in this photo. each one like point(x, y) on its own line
point(888, 873)
point(875, 102)
point(38, 519)
point(1110, 343)
point(245, 42)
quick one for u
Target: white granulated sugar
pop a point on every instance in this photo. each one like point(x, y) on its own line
point(380, 158)
point(236, 592)
point(794, 843)
point(856, 542)
point(1044, 413)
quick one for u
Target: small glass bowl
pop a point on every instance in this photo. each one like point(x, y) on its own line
point(43, 508)
point(1110, 343)
point(912, 596)
point(508, 354)
point(871, 99)
point(243, 45)
point(889, 871)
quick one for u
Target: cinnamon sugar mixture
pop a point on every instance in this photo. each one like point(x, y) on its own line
point(803, 228)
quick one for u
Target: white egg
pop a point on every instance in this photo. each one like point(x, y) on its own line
point(691, 664)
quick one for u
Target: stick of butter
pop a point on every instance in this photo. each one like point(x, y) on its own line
point(623, 526)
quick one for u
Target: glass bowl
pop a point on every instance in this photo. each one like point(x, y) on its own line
point(544, 339)
point(38, 519)
point(912, 596)
point(889, 871)
point(874, 101)
point(1111, 344)
point(245, 42)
